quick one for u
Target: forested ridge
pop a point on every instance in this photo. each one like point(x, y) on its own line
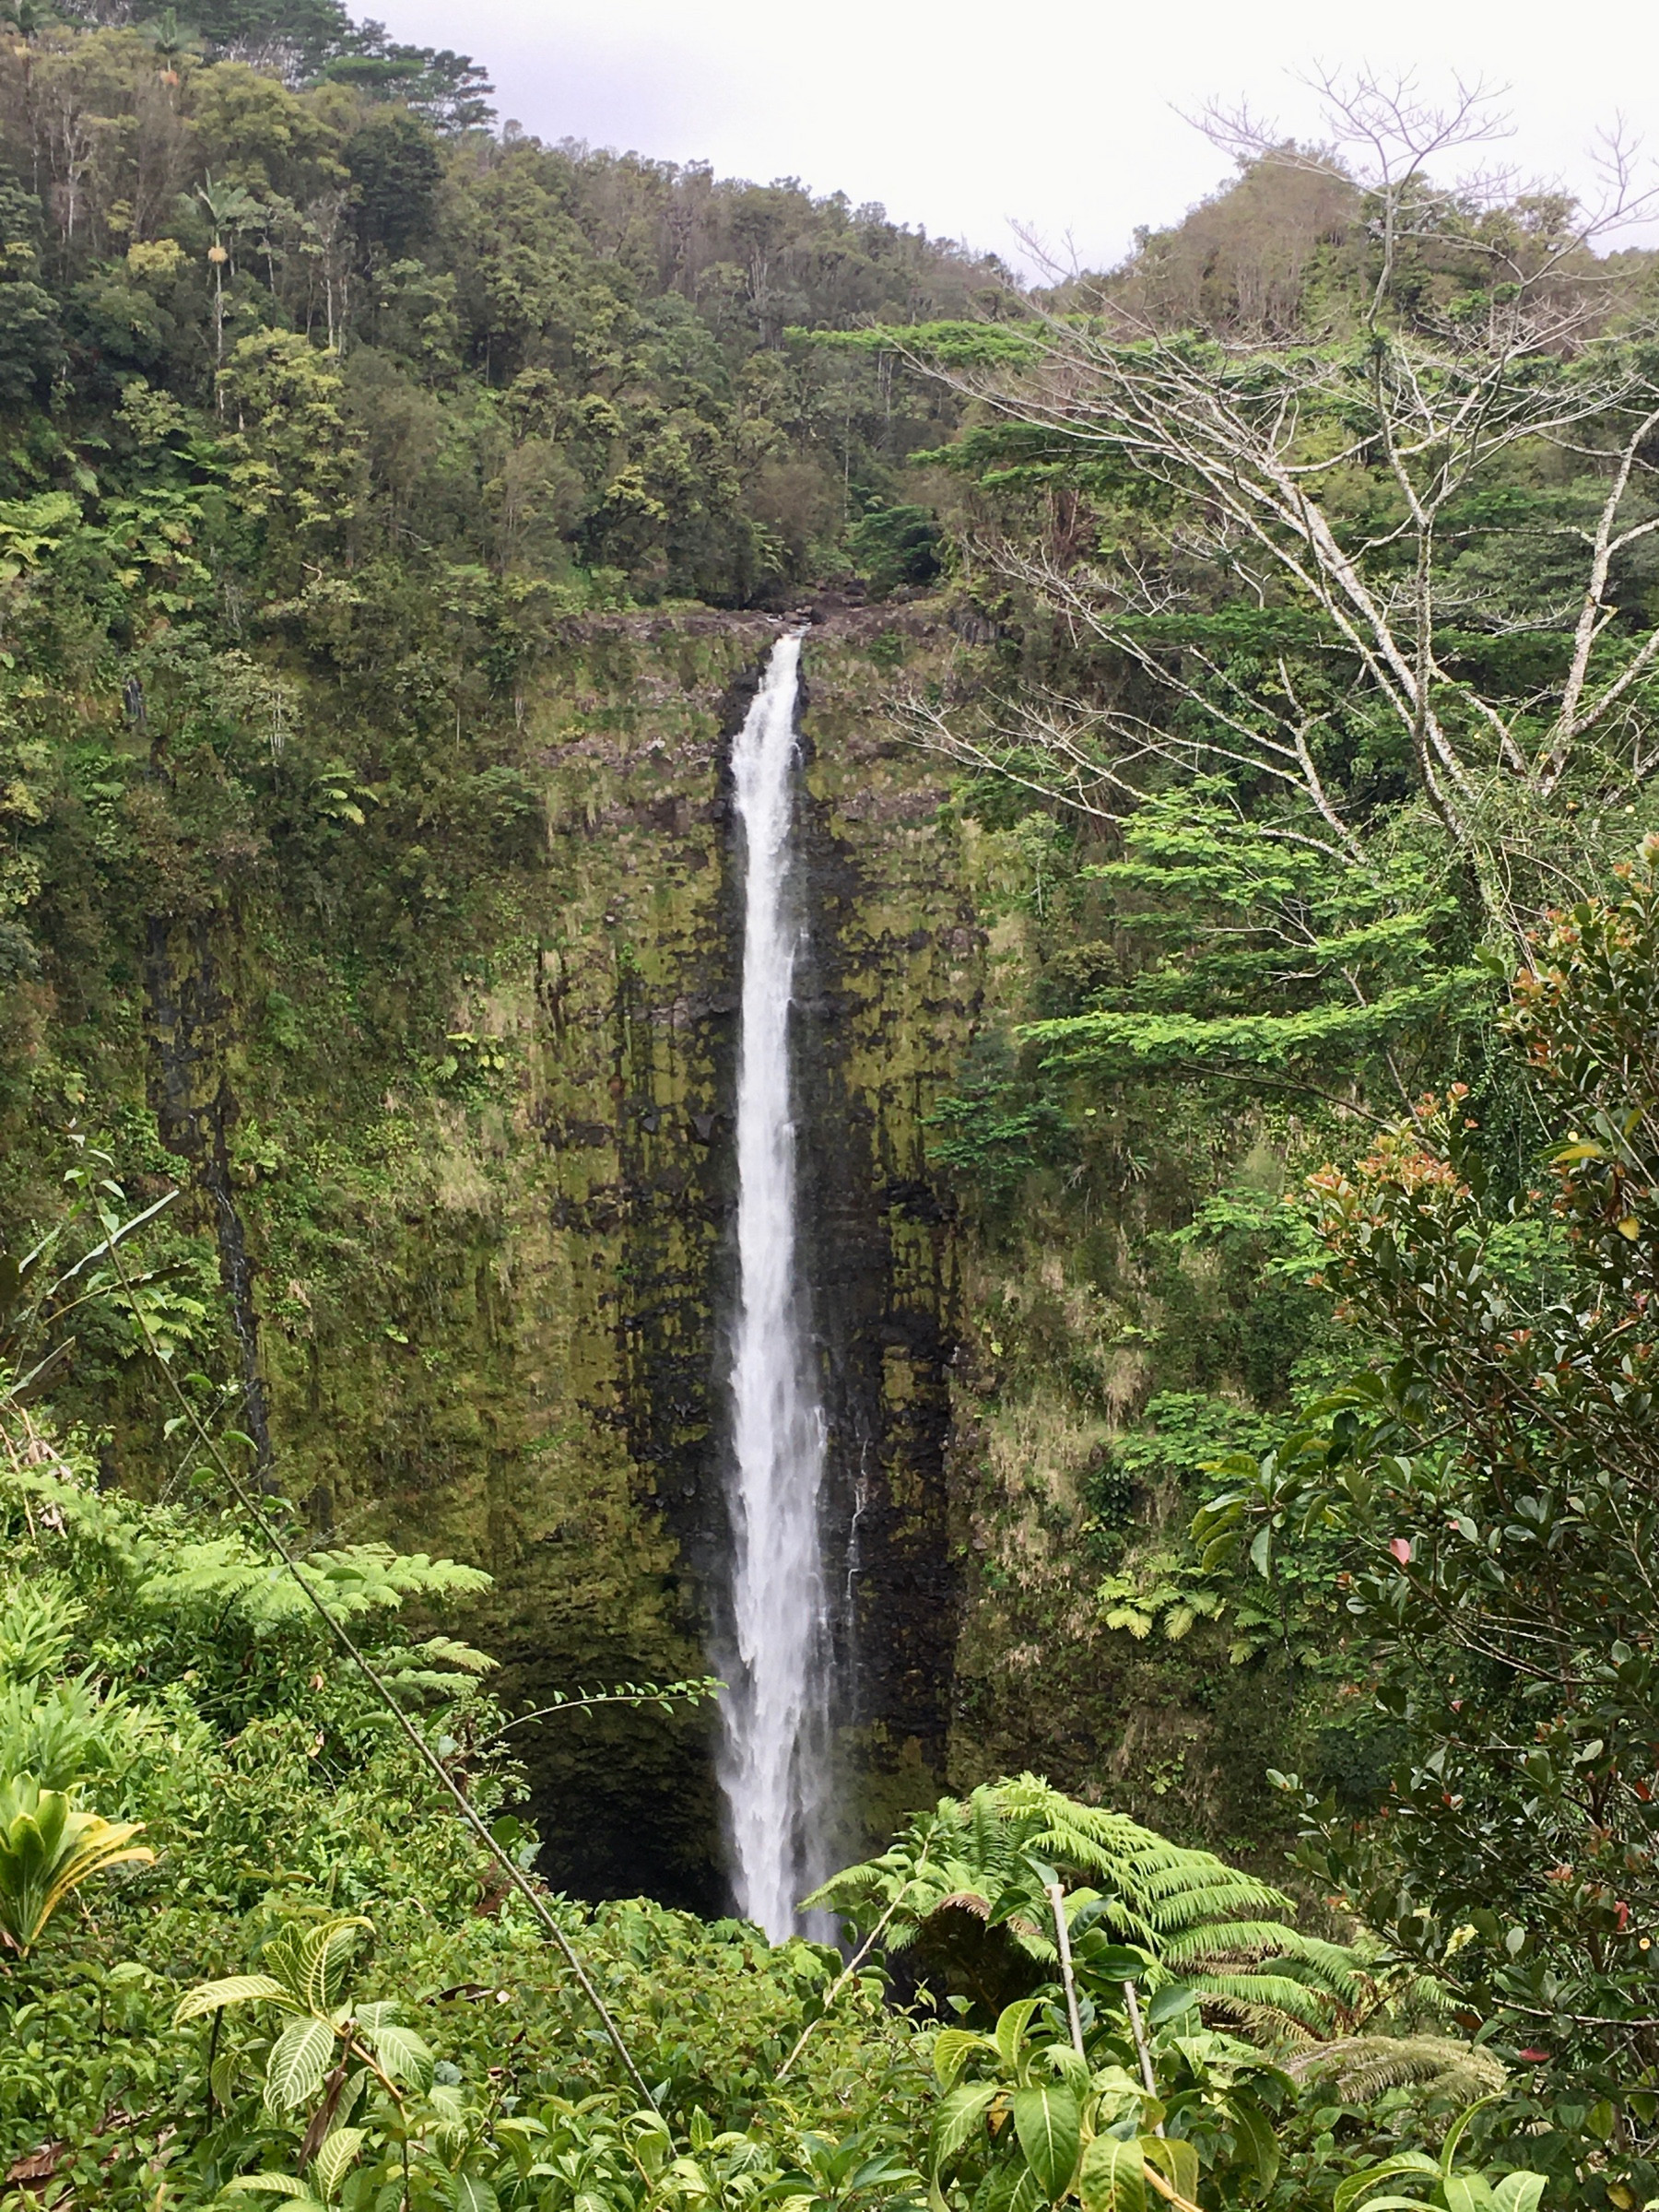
point(1231, 717)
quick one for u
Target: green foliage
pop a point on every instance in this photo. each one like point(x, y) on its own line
point(223, 1572)
point(965, 1886)
point(331, 2046)
point(1087, 2123)
point(339, 468)
point(994, 1130)
point(1360, 2068)
point(1487, 1487)
point(1164, 1592)
point(895, 546)
point(48, 1848)
point(30, 342)
point(1244, 955)
point(395, 175)
point(1451, 2188)
point(289, 1818)
point(959, 344)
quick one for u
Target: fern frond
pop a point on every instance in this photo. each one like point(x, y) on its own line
point(1363, 2067)
point(1238, 1939)
point(355, 1580)
point(1263, 2001)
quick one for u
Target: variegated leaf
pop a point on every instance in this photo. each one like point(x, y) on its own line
point(958, 2118)
point(402, 2054)
point(334, 2155)
point(298, 2063)
point(1467, 2193)
point(1518, 2191)
point(1011, 2026)
point(1175, 2159)
point(237, 1989)
point(328, 1950)
point(1357, 2185)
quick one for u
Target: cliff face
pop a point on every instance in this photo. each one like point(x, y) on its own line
point(497, 1328)
point(453, 1116)
point(348, 881)
point(889, 991)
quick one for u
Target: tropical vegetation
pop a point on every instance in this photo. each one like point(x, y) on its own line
point(1278, 617)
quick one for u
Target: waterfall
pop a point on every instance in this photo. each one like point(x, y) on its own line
point(774, 1708)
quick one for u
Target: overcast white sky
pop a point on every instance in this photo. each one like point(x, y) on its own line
point(1057, 114)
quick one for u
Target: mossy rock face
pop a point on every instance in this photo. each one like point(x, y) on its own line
point(890, 989)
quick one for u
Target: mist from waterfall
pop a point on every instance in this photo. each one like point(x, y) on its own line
point(774, 1710)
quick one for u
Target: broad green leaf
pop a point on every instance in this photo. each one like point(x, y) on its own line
point(1173, 2003)
point(1176, 2158)
point(1518, 2191)
point(951, 2051)
point(1114, 1962)
point(238, 1989)
point(1359, 2185)
point(1455, 2134)
point(473, 2195)
point(1467, 2193)
point(298, 2063)
point(1049, 2130)
point(268, 2185)
point(1011, 2026)
point(1116, 2081)
point(959, 2116)
point(1114, 2176)
point(686, 2181)
point(1257, 2140)
point(1027, 2193)
point(1116, 2096)
point(1071, 2065)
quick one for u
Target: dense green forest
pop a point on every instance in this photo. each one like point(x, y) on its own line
point(1231, 701)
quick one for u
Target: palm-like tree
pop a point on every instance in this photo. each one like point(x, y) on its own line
point(173, 43)
point(230, 208)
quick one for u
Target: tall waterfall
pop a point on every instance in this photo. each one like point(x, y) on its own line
point(774, 1710)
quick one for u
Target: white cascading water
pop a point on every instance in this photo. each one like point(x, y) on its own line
point(773, 1710)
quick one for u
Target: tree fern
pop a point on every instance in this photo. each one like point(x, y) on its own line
point(958, 1885)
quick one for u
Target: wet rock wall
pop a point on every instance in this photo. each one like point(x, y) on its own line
point(514, 1347)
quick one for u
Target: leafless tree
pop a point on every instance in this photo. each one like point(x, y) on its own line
point(1328, 480)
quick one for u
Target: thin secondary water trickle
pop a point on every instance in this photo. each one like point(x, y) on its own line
point(770, 1767)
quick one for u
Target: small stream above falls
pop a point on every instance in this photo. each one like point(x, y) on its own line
point(776, 1710)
